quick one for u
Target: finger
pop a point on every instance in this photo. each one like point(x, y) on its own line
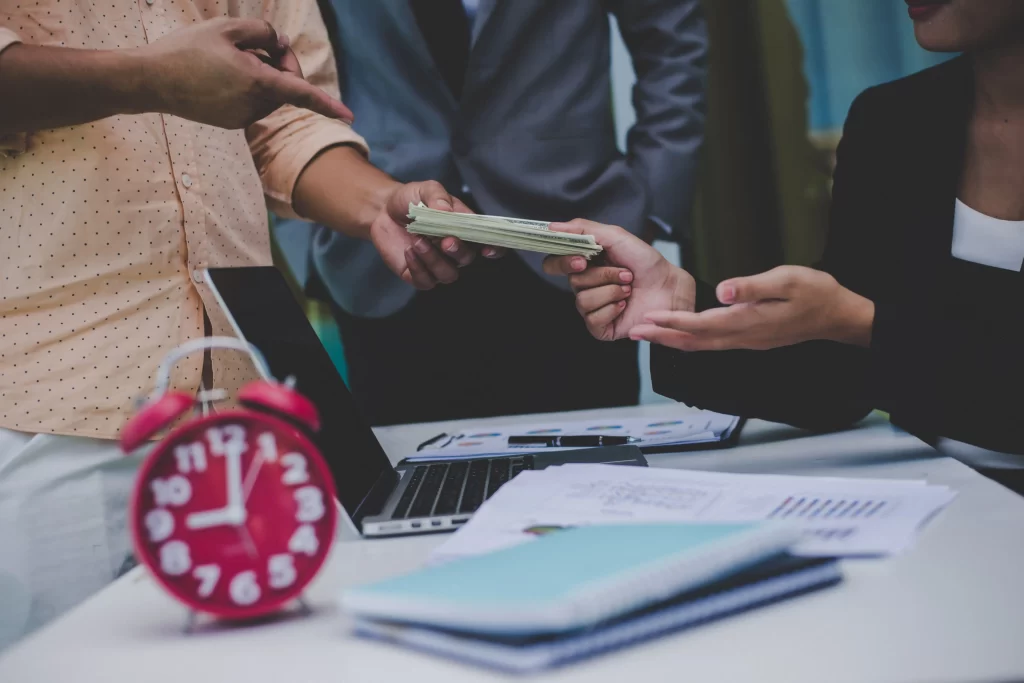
point(564, 265)
point(602, 275)
point(716, 321)
point(433, 194)
point(774, 284)
point(608, 236)
point(419, 274)
point(590, 300)
point(289, 63)
point(458, 251)
point(288, 89)
point(664, 337)
point(253, 34)
point(599, 320)
point(436, 263)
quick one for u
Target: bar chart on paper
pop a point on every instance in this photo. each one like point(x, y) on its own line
point(837, 517)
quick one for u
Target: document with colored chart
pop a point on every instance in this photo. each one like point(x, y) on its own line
point(837, 517)
point(686, 427)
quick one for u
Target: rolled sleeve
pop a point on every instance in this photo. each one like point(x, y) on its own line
point(17, 142)
point(284, 143)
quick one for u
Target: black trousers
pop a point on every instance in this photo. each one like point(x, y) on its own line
point(498, 341)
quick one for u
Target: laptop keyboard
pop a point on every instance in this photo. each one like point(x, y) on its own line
point(457, 487)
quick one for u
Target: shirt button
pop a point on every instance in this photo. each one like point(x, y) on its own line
point(186, 180)
point(197, 276)
point(150, 2)
point(466, 190)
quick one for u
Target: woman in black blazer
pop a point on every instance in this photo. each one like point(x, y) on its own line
point(892, 320)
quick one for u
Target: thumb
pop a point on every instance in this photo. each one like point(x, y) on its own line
point(771, 285)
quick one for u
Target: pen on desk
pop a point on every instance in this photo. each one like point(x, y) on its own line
point(570, 441)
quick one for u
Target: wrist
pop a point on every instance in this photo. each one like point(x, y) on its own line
point(135, 85)
point(855, 321)
point(684, 291)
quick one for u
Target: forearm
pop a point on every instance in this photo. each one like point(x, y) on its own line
point(52, 87)
point(339, 188)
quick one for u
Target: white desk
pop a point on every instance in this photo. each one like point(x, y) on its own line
point(951, 609)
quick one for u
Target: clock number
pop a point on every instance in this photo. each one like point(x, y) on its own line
point(304, 541)
point(281, 569)
point(174, 558)
point(174, 490)
point(228, 440)
point(191, 457)
point(243, 588)
point(295, 469)
point(268, 446)
point(311, 504)
point(208, 575)
point(160, 524)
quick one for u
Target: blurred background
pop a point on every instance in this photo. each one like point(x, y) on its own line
point(783, 74)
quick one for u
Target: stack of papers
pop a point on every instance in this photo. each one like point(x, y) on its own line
point(691, 427)
point(497, 231)
point(837, 516)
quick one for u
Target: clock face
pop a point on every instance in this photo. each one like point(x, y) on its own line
point(234, 513)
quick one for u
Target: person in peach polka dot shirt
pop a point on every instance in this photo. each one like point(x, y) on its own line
point(142, 141)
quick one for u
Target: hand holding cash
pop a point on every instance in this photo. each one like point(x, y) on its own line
point(496, 231)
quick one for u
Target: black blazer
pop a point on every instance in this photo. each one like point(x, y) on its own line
point(947, 351)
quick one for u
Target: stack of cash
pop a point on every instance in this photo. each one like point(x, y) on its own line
point(495, 231)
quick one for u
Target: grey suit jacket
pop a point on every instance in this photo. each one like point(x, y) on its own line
point(533, 134)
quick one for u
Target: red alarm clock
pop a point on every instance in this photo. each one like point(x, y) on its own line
point(234, 512)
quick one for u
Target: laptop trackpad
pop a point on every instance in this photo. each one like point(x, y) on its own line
point(608, 455)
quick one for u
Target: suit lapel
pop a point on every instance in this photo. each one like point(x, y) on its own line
point(405, 21)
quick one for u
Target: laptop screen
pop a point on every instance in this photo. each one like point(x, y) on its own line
point(268, 316)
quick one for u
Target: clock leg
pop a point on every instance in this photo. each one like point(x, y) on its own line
point(304, 608)
point(190, 622)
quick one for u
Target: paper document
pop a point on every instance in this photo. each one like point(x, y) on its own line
point(699, 426)
point(839, 517)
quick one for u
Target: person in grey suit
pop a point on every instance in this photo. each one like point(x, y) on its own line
point(509, 100)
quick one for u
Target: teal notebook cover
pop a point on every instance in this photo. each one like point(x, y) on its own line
point(569, 578)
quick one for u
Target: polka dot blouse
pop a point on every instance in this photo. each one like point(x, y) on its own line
point(105, 226)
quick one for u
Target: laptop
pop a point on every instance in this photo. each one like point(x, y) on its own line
point(381, 499)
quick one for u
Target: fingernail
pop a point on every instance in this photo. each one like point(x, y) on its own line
point(578, 264)
point(727, 294)
point(626, 276)
point(625, 288)
point(444, 204)
point(452, 248)
point(489, 253)
point(636, 337)
point(421, 246)
point(284, 40)
point(622, 304)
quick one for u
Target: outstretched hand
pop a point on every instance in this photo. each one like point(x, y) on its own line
point(630, 278)
point(784, 306)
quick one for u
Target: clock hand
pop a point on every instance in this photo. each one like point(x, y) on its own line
point(250, 477)
point(212, 518)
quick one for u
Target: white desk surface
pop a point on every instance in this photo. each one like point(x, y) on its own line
point(950, 609)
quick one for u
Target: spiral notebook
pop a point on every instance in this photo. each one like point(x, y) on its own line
point(569, 579)
point(771, 581)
